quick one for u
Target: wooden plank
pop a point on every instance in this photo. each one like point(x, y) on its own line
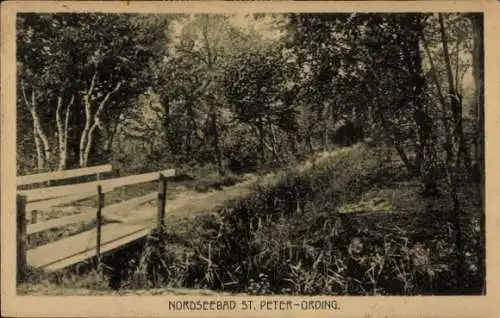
point(45, 204)
point(129, 204)
point(50, 224)
point(106, 248)
point(107, 185)
point(89, 216)
point(77, 244)
point(64, 174)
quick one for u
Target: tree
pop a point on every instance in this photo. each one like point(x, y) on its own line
point(192, 88)
point(256, 84)
point(477, 21)
point(77, 71)
point(201, 52)
point(313, 38)
point(478, 74)
point(36, 64)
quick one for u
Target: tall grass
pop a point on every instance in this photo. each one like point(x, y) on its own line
point(288, 237)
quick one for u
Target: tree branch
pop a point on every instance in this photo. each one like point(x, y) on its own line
point(92, 84)
point(457, 65)
point(434, 73)
point(103, 102)
point(25, 97)
point(446, 54)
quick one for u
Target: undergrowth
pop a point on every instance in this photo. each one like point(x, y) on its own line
point(288, 237)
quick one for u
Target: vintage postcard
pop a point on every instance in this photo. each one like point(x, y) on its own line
point(276, 158)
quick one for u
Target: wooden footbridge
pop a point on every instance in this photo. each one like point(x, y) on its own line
point(92, 243)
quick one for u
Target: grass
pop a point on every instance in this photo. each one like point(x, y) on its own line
point(57, 283)
point(302, 233)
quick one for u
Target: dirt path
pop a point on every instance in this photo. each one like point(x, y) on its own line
point(188, 203)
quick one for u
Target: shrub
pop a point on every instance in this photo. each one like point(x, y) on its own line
point(241, 150)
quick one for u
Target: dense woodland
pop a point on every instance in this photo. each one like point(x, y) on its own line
point(242, 93)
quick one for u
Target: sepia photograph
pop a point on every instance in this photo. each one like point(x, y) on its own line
point(248, 154)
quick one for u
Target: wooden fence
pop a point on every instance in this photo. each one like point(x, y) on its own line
point(33, 200)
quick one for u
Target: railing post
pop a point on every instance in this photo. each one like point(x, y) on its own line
point(100, 205)
point(21, 237)
point(161, 202)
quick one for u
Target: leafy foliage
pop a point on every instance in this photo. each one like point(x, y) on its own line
point(79, 56)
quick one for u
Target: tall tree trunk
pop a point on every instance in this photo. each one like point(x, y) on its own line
point(451, 166)
point(87, 105)
point(217, 146)
point(456, 220)
point(478, 74)
point(39, 153)
point(166, 124)
point(44, 150)
point(390, 131)
point(424, 159)
point(273, 140)
point(191, 127)
point(211, 59)
point(41, 141)
point(455, 104)
point(89, 143)
point(45, 142)
point(448, 143)
point(275, 143)
point(393, 139)
point(478, 112)
point(62, 130)
point(66, 124)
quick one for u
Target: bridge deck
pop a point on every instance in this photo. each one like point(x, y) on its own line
point(80, 247)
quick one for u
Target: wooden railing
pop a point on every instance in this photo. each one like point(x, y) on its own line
point(64, 174)
point(31, 201)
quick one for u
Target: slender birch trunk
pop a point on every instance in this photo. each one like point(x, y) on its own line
point(62, 130)
point(39, 154)
point(92, 121)
point(87, 104)
point(41, 141)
